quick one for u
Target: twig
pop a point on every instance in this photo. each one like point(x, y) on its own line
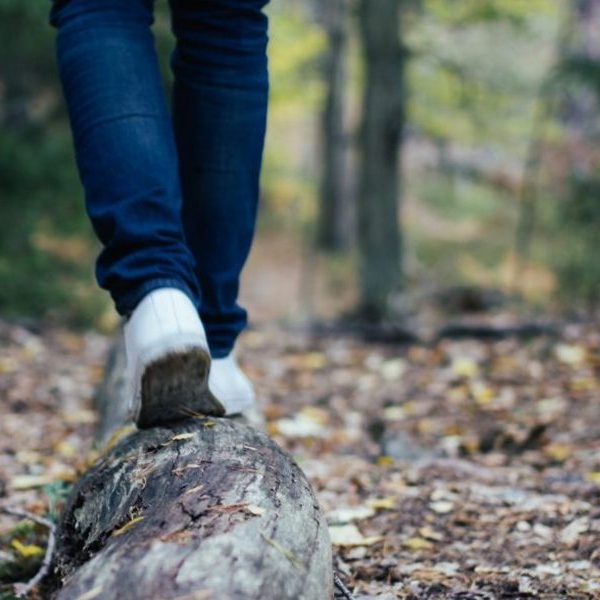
point(341, 591)
point(22, 589)
point(289, 555)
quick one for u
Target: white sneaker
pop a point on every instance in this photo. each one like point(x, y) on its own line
point(228, 383)
point(168, 360)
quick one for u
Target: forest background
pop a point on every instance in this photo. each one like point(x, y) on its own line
point(491, 107)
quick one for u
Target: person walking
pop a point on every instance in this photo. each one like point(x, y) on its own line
point(171, 194)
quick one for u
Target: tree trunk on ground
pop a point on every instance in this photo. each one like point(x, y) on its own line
point(206, 509)
point(334, 227)
point(380, 148)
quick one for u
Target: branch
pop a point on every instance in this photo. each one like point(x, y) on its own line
point(341, 591)
point(23, 589)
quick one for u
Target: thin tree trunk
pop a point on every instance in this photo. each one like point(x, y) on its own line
point(380, 149)
point(546, 104)
point(334, 231)
point(528, 193)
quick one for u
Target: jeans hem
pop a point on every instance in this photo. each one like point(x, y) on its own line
point(126, 304)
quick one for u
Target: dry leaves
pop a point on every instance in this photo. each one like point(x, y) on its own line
point(463, 469)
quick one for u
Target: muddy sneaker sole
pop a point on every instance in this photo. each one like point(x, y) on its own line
point(175, 387)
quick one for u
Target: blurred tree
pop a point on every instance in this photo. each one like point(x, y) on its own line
point(43, 257)
point(579, 211)
point(335, 204)
point(47, 247)
point(380, 148)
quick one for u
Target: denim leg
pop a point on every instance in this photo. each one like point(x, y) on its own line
point(219, 112)
point(125, 147)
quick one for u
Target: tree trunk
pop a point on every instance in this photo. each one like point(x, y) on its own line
point(380, 150)
point(334, 227)
point(206, 509)
point(578, 212)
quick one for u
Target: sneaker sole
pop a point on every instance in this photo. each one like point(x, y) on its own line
point(175, 387)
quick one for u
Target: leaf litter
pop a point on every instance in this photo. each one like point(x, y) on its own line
point(460, 469)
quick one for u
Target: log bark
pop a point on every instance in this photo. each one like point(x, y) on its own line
point(209, 509)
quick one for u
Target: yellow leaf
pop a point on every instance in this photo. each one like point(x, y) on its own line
point(182, 436)
point(67, 449)
point(312, 361)
point(417, 543)
point(8, 365)
point(558, 452)
point(316, 414)
point(27, 550)
point(594, 476)
point(410, 407)
point(118, 435)
point(387, 503)
point(482, 394)
point(470, 445)
point(583, 384)
point(127, 526)
point(465, 367)
point(385, 461)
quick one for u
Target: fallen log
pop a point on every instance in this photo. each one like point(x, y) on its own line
point(210, 508)
point(207, 509)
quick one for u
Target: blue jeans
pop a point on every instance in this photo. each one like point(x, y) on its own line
point(171, 194)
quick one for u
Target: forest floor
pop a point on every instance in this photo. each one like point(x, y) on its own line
point(451, 469)
point(457, 469)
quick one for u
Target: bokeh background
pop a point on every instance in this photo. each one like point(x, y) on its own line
point(488, 108)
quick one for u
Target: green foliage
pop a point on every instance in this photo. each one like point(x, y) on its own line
point(289, 179)
point(20, 566)
point(46, 246)
point(579, 71)
point(465, 84)
point(578, 216)
point(486, 12)
point(295, 54)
